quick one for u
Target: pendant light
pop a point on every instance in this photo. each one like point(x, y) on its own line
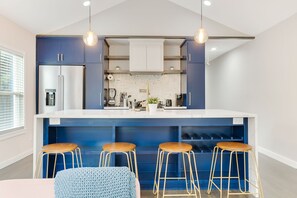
point(90, 38)
point(201, 34)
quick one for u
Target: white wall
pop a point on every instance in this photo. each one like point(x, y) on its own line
point(15, 38)
point(261, 77)
point(135, 17)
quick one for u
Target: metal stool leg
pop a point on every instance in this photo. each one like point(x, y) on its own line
point(238, 174)
point(221, 173)
point(191, 174)
point(212, 168)
point(156, 173)
point(160, 170)
point(185, 173)
point(135, 163)
point(106, 159)
point(229, 175)
point(259, 183)
point(244, 162)
point(128, 161)
point(47, 163)
point(76, 157)
point(79, 152)
point(64, 161)
point(196, 172)
point(165, 174)
point(55, 163)
point(72, 158)
point(131, 162)
point(101, 159)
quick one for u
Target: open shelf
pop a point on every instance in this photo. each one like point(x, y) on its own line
point(117, 72)
point(116, 57)
point(174, 58)
point(129, 72)
point(212, 137)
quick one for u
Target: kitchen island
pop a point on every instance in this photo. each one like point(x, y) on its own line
point(90, 129)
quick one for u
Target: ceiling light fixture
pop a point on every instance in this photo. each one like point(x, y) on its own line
point(201, 34)
point(87, 3)
point(207, 2)
point(213, 49)
point(90, 38)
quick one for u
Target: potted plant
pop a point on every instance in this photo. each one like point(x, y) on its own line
point(152, 104)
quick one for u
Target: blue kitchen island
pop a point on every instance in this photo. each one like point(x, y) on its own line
point(91, 129)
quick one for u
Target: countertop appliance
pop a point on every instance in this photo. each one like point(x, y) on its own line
point(112, 92)
point(168, 103)
point(61, 87)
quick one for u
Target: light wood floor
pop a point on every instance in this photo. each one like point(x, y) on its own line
point(279, 180)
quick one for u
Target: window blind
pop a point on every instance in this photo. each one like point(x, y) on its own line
point(11, 91)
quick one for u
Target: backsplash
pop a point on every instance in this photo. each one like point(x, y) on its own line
point(164, 86)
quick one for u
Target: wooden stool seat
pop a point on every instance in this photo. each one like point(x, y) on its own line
point(175, 147)
point(234, 146)
point(119, 147)
point(59, 148)
point(125, 148)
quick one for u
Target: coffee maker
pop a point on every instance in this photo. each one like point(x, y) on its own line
point(112, 92)
point(180, 100)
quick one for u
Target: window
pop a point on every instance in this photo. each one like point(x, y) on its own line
point(11, 91)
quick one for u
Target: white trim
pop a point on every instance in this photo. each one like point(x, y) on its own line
point(6, 136)
point(15, 158)
point(278, 157)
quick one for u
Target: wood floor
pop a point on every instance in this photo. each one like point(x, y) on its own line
point(279, 180)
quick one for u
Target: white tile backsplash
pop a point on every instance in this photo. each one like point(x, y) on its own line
point(164, 86)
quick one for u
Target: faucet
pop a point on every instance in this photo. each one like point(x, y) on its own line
point(147, 96)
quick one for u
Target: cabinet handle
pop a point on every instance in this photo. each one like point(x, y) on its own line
point(190, 57)
point(100, 99)
point(62, 57)
point(100, 57)
point(190, 98)
point(58, 57)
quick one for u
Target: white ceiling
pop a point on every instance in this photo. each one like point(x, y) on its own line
point(247, 16)
point(44, 16)
point(223, 18)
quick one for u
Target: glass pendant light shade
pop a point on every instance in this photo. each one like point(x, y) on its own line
point(201, 36)
point(90, 38)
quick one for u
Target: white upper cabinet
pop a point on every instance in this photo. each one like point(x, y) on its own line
point(147, 55)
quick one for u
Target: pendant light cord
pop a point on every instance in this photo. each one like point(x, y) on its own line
point(90, 22)
point(201, 13)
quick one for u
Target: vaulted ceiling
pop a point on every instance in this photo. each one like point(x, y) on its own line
point(250, 17)
point(150, 17)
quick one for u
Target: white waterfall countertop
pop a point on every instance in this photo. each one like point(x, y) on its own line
point(189, 113)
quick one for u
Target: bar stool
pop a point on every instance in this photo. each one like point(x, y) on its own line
point(58, 148)
point(233, 148)
point(119, 147)
point(176, 148)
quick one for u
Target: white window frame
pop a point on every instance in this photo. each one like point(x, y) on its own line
point(8, 133)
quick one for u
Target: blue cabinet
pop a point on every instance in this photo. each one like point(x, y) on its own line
point(60, 50)
point(93, 54)
point(94, 96)
point(196, 86)
point(196, 52)
point(194, 66)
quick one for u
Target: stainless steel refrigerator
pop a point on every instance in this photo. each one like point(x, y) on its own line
point(60, 88)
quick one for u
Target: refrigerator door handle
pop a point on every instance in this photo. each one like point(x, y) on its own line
point(62, 91)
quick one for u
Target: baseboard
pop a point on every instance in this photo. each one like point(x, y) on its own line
point(278, 157)
point(16, 158)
